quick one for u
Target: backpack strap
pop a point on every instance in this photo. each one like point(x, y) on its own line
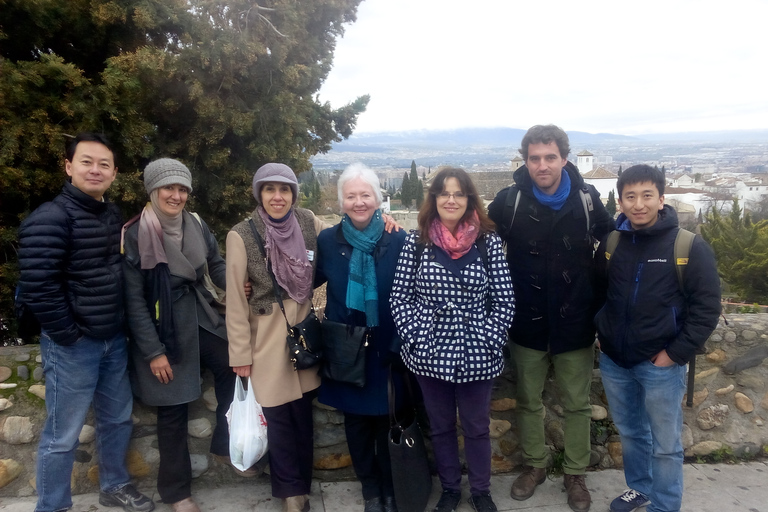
point(510, 207)
point(610, 247)
point(586, 201)
point(682, 251)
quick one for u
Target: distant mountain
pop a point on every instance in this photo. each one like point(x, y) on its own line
point(719, 136)
point(462, 137)
point(493, 148)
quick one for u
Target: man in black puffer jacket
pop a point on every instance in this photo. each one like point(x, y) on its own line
point(648, 329)
point(549, 220)
point(71, 279)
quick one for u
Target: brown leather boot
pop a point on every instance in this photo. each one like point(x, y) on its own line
point(296, 503)
point(525, 484)
point(578, 495)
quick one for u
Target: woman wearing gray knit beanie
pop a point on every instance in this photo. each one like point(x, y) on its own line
point(176, 323)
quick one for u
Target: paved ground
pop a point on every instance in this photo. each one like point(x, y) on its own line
point(708, 488)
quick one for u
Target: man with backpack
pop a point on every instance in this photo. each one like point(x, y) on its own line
point(549, 221)
point(653, 322)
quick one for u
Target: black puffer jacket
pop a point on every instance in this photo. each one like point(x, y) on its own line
point(645, 310)
point(550, 259)
point(71, 276)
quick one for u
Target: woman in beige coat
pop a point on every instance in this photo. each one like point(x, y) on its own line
point(256, 327)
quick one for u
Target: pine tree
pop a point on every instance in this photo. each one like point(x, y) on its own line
point(416, 186)
point(406, 196)
point(610, 205)
point(741, 249)
point(223, 87)
point(419, 193)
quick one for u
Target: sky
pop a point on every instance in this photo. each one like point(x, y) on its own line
point(658, 66)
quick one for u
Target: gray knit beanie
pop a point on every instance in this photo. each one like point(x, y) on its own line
point(280, 173)
point(166, 171)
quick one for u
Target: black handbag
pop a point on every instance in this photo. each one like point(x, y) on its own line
point(411, 478)
point(304, 339)
point(344, 349)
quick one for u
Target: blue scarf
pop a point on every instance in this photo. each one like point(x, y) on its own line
point(556, 200)
point(362, 293)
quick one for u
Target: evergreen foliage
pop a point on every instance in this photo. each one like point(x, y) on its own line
point(416, 186)
point(406, 194)
point(222, 86)
point(311, 193)
point(741, 249)
point(610, 205)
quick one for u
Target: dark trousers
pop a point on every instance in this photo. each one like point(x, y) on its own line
point(174, 477)
point(291, 443)
point(369, 449)
point(474, 403)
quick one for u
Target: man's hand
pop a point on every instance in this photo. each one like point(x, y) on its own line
point(662, 359)
point(161, 369)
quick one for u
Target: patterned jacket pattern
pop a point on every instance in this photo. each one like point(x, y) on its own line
point(441, 313)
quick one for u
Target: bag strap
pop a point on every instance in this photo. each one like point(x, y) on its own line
point(510, 207)
point(610, 247)
point(391, 396)
point(275, 286)
point(682, 251)
point(586, 202)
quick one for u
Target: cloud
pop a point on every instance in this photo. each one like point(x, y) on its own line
point(592, 65)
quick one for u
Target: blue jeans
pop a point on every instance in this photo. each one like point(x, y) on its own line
point(646, 404)
point(473, 399)
point(88, 371)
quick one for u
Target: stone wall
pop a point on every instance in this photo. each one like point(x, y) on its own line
point(730, 407)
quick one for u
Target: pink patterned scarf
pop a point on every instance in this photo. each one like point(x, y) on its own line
point(459, 245)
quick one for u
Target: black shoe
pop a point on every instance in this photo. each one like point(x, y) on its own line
point(128, 498)
point(482, 503)
point(373, 505)
point(448, 502)
point(389, 504)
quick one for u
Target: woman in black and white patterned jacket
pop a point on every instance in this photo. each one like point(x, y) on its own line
point(452, 302)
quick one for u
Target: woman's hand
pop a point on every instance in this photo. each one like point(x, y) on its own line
point(390, 223)
point(161, 369)
point(248, 290)
point(242, 371)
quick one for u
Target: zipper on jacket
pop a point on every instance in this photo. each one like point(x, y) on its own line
point(629, 304)
point(637, 282)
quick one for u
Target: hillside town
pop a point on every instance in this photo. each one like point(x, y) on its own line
point(692, 189)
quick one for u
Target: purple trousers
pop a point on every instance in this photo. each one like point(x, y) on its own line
point(473, 399)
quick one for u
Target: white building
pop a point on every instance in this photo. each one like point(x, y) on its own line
point(585, 161)
point(603, 180)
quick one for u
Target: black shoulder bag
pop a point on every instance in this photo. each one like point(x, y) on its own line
point(304, 339)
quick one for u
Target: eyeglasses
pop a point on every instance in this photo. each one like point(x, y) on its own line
point(457, 196)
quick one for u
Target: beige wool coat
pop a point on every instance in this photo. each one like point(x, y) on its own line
point(258, 340)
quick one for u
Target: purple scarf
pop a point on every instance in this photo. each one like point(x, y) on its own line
point(287, 253)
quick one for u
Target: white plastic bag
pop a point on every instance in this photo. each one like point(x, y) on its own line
point(247, 428)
